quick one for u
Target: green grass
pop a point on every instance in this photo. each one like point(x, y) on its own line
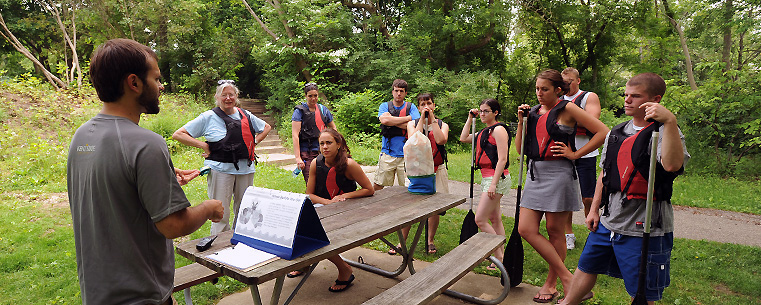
point(727, 194)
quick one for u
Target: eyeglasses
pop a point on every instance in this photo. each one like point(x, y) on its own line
point(484, 111)
point(226, 81)
point(228, 95)
point(310, 84)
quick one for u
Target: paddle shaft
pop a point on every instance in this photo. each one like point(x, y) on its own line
point(641, 297)
point(472, 158)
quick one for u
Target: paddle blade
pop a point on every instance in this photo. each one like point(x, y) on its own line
point(469, 227)
point(513, 260)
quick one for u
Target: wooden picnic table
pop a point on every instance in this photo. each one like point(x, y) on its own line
point(348, 224)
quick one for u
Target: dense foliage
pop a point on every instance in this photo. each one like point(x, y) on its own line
point(461, 51)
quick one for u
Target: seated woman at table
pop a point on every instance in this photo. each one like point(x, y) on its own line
point(333, 177)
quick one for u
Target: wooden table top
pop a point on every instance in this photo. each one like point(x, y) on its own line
point(348, 224)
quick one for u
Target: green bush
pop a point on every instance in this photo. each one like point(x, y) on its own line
point(358, 112)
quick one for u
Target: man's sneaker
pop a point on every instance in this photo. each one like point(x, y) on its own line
point(570, 241)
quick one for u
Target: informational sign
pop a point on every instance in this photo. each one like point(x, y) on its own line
point(278, 222)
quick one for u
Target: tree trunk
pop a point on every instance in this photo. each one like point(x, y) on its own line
point(6, 33)
point(726, 52)
point(683, 42)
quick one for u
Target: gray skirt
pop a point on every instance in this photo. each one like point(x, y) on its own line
point(553, 188)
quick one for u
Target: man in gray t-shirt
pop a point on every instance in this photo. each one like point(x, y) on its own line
point(614, 245)
point(124, 192)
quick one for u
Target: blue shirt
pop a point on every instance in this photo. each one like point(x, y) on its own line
point(296, 117)
point(212, 127)
point(395, 146)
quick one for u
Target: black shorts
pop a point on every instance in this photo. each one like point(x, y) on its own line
point(587, 170)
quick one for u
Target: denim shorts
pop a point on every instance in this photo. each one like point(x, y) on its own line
point(619, 256)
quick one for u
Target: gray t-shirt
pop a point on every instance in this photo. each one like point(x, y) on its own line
point(121, 181)
point(624, 214)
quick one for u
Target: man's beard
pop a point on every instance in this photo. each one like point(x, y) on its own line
point(149, 99)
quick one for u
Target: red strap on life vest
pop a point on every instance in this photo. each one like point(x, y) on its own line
point(248, 138)
point(633, 183)
point(318, 118)
point(543, 137)
point(331, 185)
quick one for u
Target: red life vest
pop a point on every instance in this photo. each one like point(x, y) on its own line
point(238, 142)
point(484, 147)
point(312, 123)
point(627, 166)
point(581, 131)
point(329, 183)
point(543, 131)
point(439, 151)
point(393, 131)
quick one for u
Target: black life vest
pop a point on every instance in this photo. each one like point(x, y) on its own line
point(238, 143)
point(329, 182)
point(439, 151)
point(393, 131)
point(627, 166)
point(311, 124)
point(542, 132)
point(485, 148)
point(581, 131)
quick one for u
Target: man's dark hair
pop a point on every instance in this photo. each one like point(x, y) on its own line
point(399, 83)
point(113, 61)
point(555, 78)
point(654, 83)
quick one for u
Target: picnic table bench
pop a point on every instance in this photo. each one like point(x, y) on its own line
point(191, 275)
point(426, 284)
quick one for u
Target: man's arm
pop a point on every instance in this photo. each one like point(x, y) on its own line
point(593, 105)
point(188, 220)
point(593, 218)
point(672, 153)
point(390, 120)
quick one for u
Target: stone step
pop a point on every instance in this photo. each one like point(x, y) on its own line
point(270, 149)
point(277, 159)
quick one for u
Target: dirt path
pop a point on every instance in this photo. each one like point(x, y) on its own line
point(692, 223)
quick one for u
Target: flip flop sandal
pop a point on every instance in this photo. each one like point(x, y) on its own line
point(346, 284)
point(432, 249)
point(295, 273)
point(538, 299)
point(392, 251)
point(493, 267)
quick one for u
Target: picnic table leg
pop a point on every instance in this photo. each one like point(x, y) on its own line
point(277, 289)
point(411, 254)
point(301, 283)
point(255, 294)
point(499, 299)
point(401, 250)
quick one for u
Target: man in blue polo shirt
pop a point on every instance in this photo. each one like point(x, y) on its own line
point(394, 116)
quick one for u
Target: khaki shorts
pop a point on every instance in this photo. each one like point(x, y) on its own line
point(442, 180)
point(503, 185)
point(389, 166)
